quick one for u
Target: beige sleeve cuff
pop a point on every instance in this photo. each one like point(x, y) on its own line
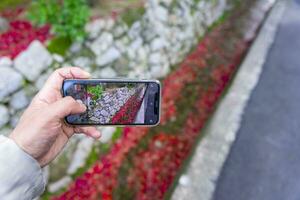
point(21, 175)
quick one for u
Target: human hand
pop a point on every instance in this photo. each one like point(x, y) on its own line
point(41, 131)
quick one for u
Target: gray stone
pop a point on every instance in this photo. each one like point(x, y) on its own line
point(120, 30)
point(5, 131)
point(95, 27)
point(109, 24)
point(157, 43)
point(155, 58)
point(108, 57)
point(19, 100)
point(136, 44)
point(15, 118)
point(161, 13)
point(81, 153)
point(33, 60)
point(4, 115)
point(149, 34)
point(156, 71)
point(30, 91)
point(83, 62)
point(42, 79)
point(58, 58)
point(131, 54)
point(107, 72)
point(5, 61)
point(10, 81)
point(102, 43)
point(4, 25)
point(104, 113)
point(135, 30)
point(60, 184)
point(107, 133)
point(76, 47)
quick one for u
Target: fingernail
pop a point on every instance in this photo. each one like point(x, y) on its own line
point(86, 74)
point(97, 135)
point(81, 103)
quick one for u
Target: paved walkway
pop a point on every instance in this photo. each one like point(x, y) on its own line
point(264, 162)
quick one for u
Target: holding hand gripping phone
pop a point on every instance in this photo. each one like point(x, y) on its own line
point(114, 101)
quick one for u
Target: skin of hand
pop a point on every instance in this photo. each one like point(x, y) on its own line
point(42, 131)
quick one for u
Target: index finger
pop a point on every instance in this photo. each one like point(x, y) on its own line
point(54, 83)
point(58, 76)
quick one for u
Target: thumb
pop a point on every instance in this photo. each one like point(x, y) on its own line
point(67, 106)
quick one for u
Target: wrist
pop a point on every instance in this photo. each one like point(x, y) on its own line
point(23, 147)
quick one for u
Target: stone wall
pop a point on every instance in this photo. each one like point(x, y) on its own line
point(160, 39)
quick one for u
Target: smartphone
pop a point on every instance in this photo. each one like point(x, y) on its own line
point(115, 102)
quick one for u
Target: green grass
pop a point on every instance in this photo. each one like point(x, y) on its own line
point(59, 45)
point(5, 4)
point(132, 15)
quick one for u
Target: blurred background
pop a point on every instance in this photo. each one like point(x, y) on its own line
point(229, 71)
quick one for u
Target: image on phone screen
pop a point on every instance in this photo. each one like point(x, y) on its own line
point(114, 102)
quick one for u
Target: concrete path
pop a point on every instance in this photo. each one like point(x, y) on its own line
point(264, 162)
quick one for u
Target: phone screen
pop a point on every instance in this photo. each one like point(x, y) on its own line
point(114, 102)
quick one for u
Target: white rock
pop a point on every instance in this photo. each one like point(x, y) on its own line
point(107, 134)
point(104, 113)
point(142, 54)
point(136, 44)
point(135, 30)
point(61, 183)
point(83, 62)
point(155, 71)
point(149, 33)
point(58, 58)
point(161, 13)
point(107, 72)
point(10, 81)
point(33, 60)
point(19, 100)
point(4, 25)
point(76, 47)
point(5, 131)
point(5, 61)
point(43, 78)
point(108, 57)
point(155, 58)
point(120, 30)
point(95, 27)
point(109, 24)
point(157, 43)
point(158, 71)
point(184, 180)
point(83, 149)
point(102, 43)
point(15, 118)
point(4, 115)
point(131, 53)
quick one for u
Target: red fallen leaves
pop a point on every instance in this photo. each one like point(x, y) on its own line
point(127, 113)
point(20, 34)
point(100, 180)
point(156, 167)
point(175, 82)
